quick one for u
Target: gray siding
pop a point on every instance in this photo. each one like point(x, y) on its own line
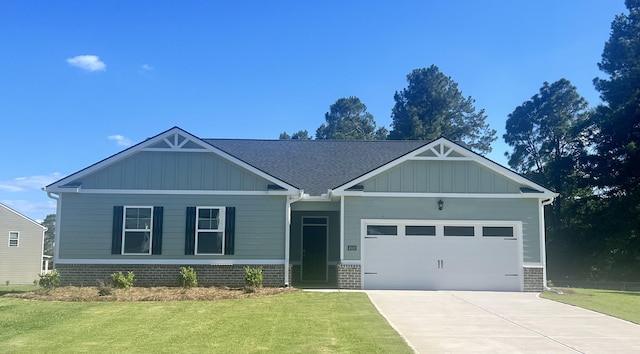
point(22, 264)
point(440, 177)
point(85, 227)
point(516, 209)
point(174, 171)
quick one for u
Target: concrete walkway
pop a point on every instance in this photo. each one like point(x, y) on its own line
point(496, 322)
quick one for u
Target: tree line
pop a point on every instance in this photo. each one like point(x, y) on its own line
point(589, 155)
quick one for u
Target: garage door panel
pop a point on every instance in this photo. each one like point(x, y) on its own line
point(441, 263)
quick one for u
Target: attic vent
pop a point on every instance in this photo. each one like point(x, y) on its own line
point(529, 190)
point(357, 187)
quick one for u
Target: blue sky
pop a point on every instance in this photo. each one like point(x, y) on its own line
point(79, 81)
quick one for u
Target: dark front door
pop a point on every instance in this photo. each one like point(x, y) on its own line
point(314, 249)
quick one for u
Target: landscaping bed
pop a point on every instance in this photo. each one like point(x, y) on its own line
point(92, 293)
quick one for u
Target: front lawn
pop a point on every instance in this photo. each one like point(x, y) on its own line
point(621, 304)
point(296, 322)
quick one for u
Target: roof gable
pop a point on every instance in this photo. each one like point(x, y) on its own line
point(9, 211)
point(445, 152)
point(173, 140)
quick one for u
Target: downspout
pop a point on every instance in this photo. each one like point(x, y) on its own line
point(543, 203)
point(56, 240)
point(287, 233)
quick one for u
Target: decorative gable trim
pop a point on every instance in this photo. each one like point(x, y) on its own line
point(174, 140)
point(443, 149)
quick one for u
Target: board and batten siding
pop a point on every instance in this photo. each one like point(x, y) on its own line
point(22, 264)
point(85, 227)
point(508, 209)
point(153, 170)
point(440, 177)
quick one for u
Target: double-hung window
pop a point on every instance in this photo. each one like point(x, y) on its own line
point(14, 238)
point(138, 228)
point(210, 227)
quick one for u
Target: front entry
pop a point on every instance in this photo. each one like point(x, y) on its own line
point(314, 249)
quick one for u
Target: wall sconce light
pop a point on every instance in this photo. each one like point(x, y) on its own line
point(440, 204)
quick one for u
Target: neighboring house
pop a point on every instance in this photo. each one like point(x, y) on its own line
point(346, 214)
point(22, 241)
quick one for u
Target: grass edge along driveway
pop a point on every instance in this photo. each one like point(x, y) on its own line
point(620, 304)
point(300, 322)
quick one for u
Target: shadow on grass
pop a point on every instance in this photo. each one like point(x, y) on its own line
point(632, 293)
point(16, 289)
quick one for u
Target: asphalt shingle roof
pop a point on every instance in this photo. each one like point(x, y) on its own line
point(316, 165)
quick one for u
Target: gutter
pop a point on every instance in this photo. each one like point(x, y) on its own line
point(543, 203)
point(287, 233)
point(56, 241)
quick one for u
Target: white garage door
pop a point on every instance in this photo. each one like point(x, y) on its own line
point(452, 255)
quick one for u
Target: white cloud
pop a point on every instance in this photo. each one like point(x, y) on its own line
point(22, 184)
point(87, 62)
point(146, 67)
point(120, 140)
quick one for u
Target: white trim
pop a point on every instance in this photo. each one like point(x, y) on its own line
point(447, 195)
point(543, 237)
point(173, 132)
point(21, 215)
point(342, 198)
point(221, 228)
point(350, 262)
point(124, 229)
point(56, 238)
point(434, 158)
point(171, 261)
point(16, 239)
point(532, 265)
point(170, 191)
point(442, 142)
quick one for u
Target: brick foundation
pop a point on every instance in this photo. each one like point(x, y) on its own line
point(533, 279)
point(167, 275)
point(349, 276)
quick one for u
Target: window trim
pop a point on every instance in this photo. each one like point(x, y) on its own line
point(222, 215)
point(125, 230)
point(17, 239)
point(517, 226)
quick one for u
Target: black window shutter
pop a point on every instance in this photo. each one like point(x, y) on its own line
point(190, 231)
point(116, 232)
point(156, 243)
point(229, 230)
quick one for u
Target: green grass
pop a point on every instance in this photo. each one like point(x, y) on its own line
point(300, 322)
point(17, 289)
point(621, 304)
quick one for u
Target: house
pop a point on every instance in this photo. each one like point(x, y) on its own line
point(345, 214)
point(21, 246)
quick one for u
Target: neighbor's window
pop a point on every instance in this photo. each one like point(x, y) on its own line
point(419, 230)
point(210, 230)
point(497, 231)
point(459, 231)
point(378, 230)
point(137, 230)
point(13, 239)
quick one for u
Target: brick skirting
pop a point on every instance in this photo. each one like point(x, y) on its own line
point(167, 275)
point(349, 276)
point(533, 279)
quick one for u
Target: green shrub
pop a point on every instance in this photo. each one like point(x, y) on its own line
point(187, 277)
point(50, 280)
point(253, 277)
point(121, 281)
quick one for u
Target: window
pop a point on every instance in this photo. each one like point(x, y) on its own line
point(14, 237)
point(459, 231)
point(379, 230)
point(138, 223)
point(497, 231)
point(210, 230)
point(419, 230)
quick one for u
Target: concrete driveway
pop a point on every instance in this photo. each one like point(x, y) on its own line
point(496, 322)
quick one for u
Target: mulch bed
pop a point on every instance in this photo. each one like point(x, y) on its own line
point(91, 293)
